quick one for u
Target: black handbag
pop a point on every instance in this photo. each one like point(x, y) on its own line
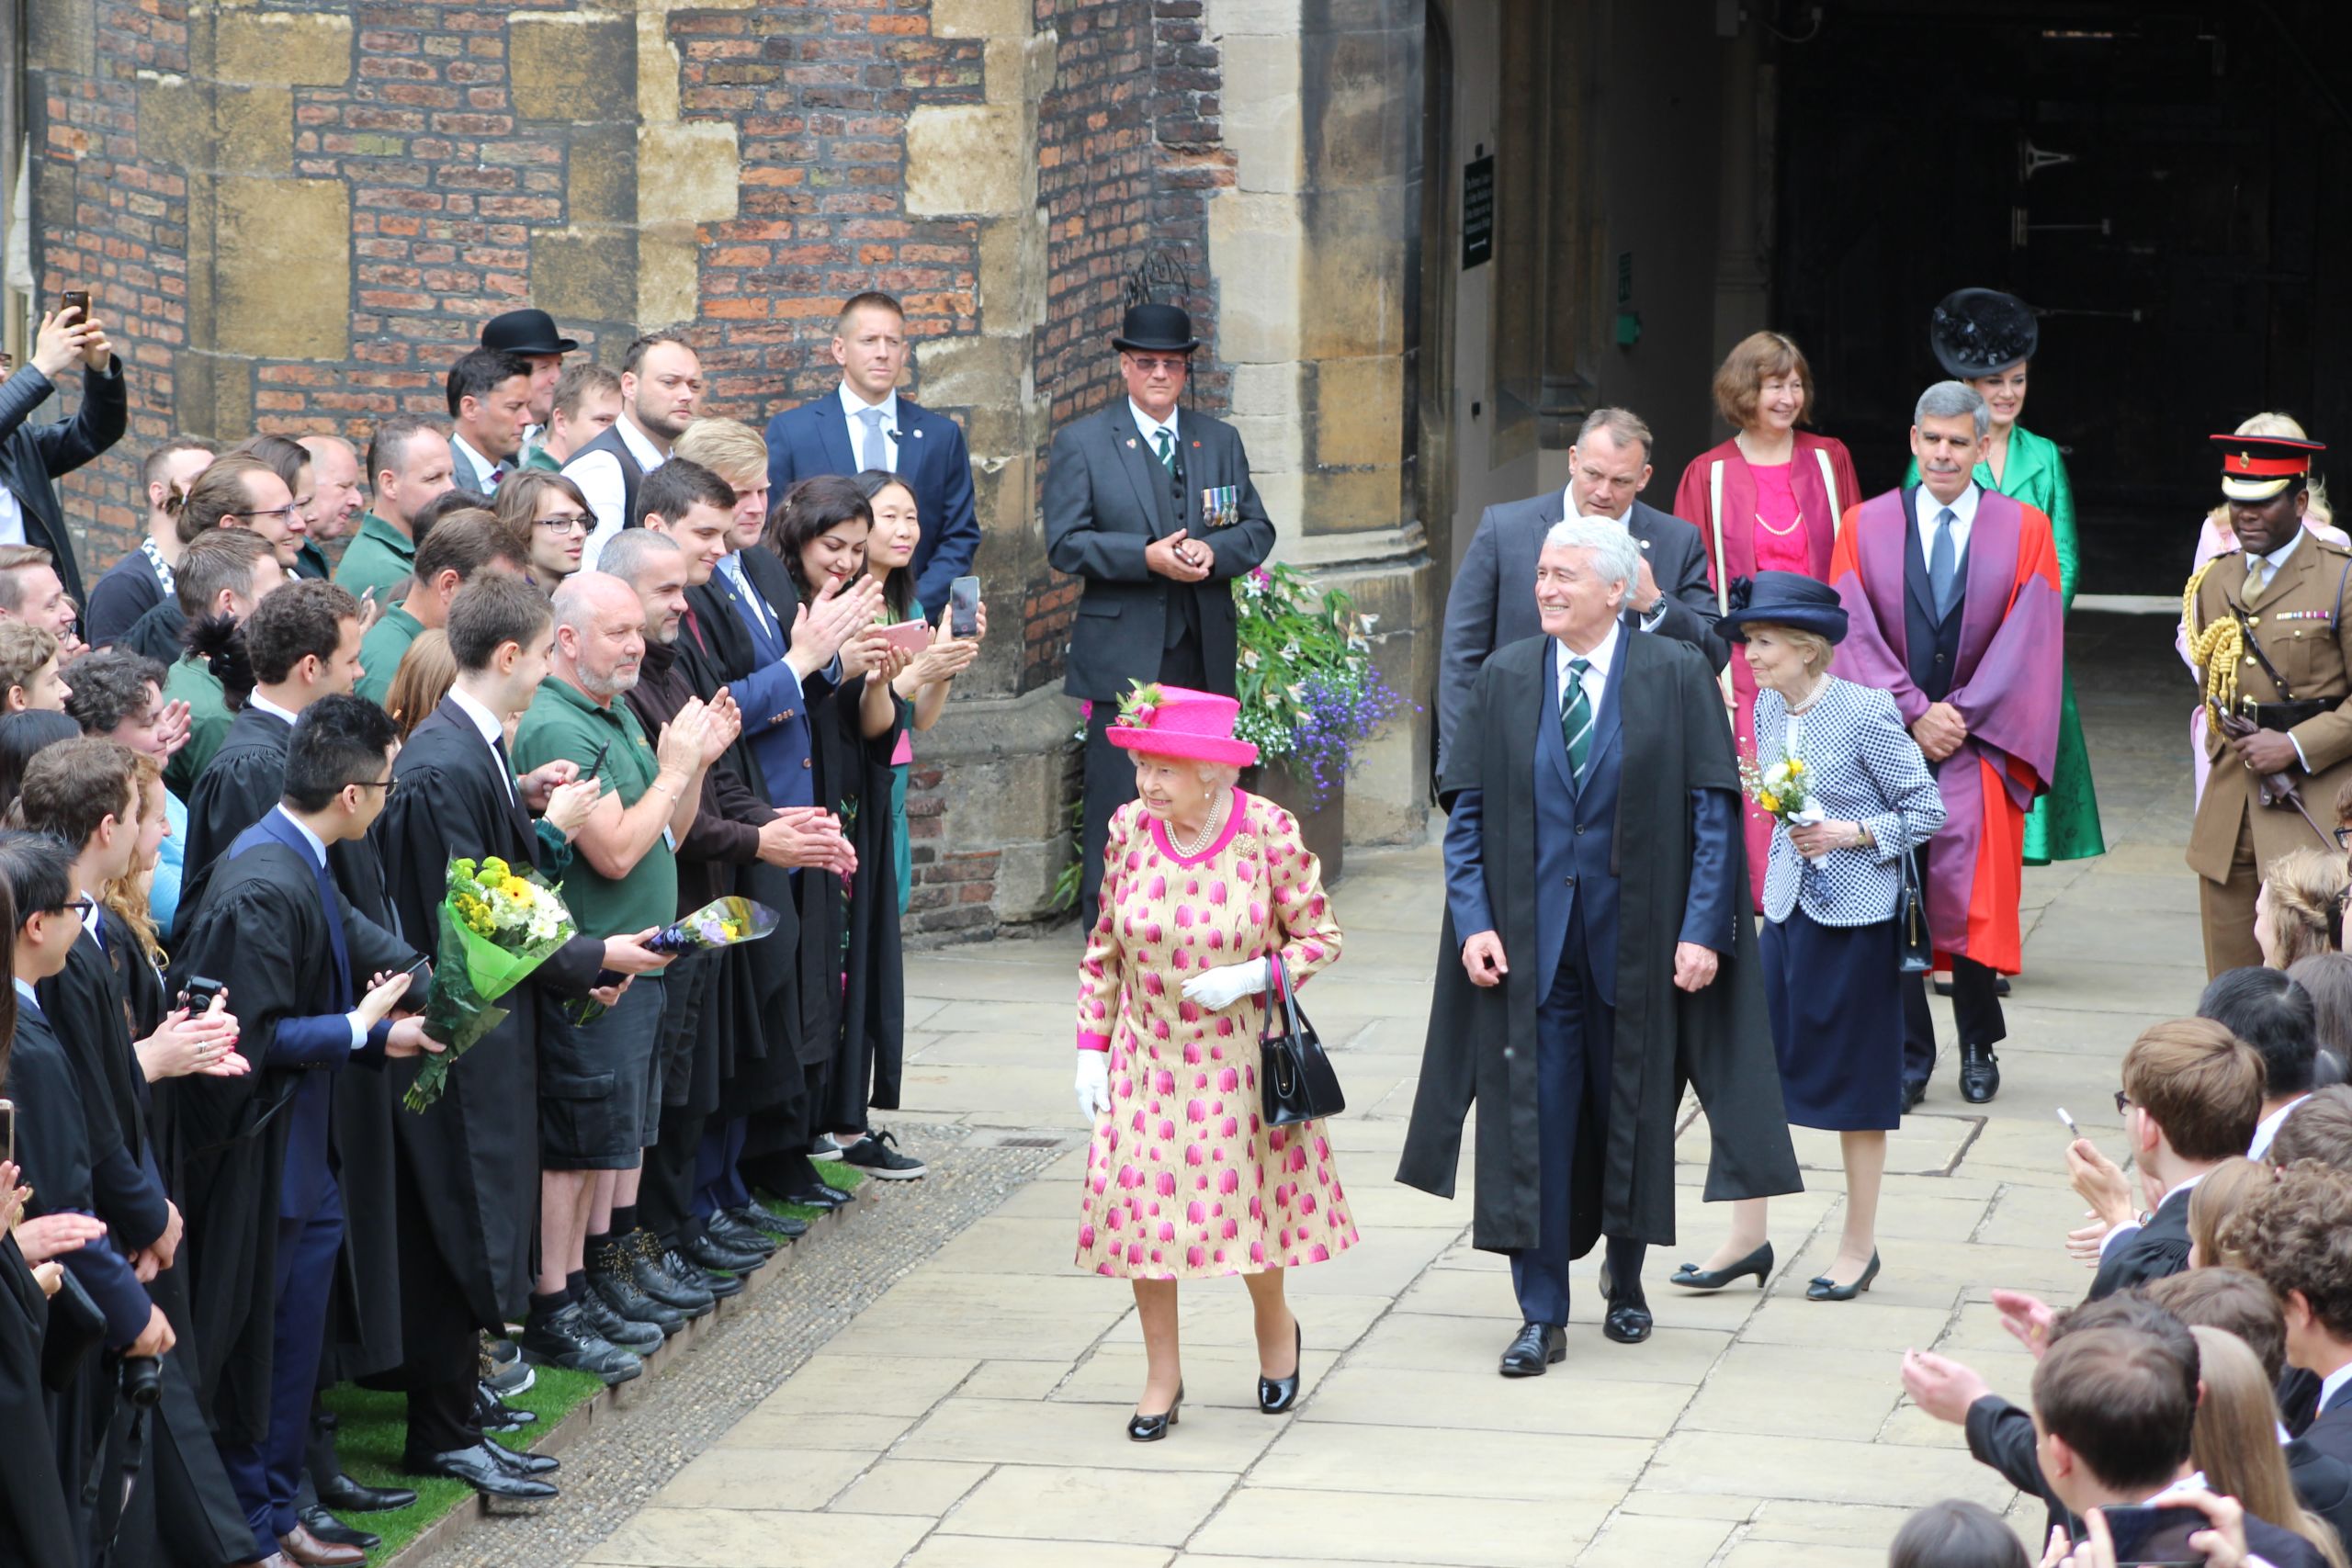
point(1919, 947)
point(1295, 1076)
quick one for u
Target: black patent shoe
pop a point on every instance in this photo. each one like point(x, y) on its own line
point(1690, 1276)
point(732, 1231)
point(1537, 1345)
point(1980, 1074)
point(1276, 1396)
point(709, 1252)
point(719, 1286)
point(790, 1228)
point(1145, 1429)
point(1628, 1321)
point(1821, 1290)
point(339, 1494)
point(651, 1270)
point(479, 1469)
point(1913, 1093)
point(517, 1462)
point(335, 1532)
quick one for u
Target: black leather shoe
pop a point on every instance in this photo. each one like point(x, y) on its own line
point(1628, 1321)
point(1536, 1348)
point(822, 1196)
point(492, 1414)
point(1690, 1276)
point(651, 1270)
point(614, 1329)
point(335, 1532)
point(1142, 1429)
point(565, 1339)
point(341, 1494)
point(613, 1283)
point(1913, 1093)
point(710, 1252)
point(479, 1469)
point(791, 1227)
point(1821, 1290)
point(728, 1231)
point(719, 1286)
point(1980, 1074)
point(518, 1462)
point(1276, 1396)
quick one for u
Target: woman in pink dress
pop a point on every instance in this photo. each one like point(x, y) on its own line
point(1201, 883)
point(1769, 499)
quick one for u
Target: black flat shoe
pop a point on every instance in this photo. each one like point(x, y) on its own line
point(1913, 1093)
point(732, 1231)
point(1276, 1396)
point(1980, 1074)
point(791, 1227)
point(1628, 1321)
point(1821, 1290)
point(1690, 1276)
point(1536, 1348)
point(339, 1494)
point(820, 1196)
point(335, 1532)
point(479, 1469)
point(719, 1286)
point(707, 1252)
point(1145, 1429)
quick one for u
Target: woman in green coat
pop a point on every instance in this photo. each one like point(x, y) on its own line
point(1987, 340)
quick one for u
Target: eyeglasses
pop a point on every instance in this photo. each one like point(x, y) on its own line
point(2122, 1102)
point(2343, 838)
point(79, 908)
point(384, 784)
point(1174, 364)
point(564, 522)
point(285, 514)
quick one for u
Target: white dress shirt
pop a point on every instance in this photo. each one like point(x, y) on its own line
point(485, 465)
point(1596, 675)
point(2267, 1128)
point(12, 518)
point(1149, 425)
point(319, 855)
point(255, 700)
point(1963, 523)
point(598, 475)
point(852, 405)
point(487, 725)
point(2332, 1384)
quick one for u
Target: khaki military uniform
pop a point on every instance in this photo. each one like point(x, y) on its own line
point(2298, 618)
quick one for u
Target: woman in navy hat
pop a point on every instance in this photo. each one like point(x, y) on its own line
point(1832, 891)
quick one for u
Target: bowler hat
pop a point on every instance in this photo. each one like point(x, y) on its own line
point(525, 332)
point(1156, 328)
point(1976, 332)
point(1174, 721)
point(1784, 599)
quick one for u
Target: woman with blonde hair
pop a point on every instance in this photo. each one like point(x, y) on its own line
point(2300, 908)
point(2234, 1442)
point(2219, 1193)
point(426, 673)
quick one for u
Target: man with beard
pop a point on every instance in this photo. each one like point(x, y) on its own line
point(661, 384)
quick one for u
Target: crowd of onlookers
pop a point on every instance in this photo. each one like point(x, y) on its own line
point(569, 624)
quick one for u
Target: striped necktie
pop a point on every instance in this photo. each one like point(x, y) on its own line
point(1575, 718)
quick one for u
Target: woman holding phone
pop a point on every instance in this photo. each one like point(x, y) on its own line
point(937, 658)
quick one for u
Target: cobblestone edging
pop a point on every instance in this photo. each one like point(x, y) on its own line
point(624, 1446)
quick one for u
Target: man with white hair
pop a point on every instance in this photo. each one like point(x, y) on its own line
point(1951, 594)
point(1597, 952)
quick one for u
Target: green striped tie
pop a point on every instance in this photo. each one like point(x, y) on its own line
point(1575, 718)
point(1165, 449)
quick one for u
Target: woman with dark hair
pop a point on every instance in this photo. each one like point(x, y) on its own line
point(1956, 1534)
point(22, 736)
point(2327, 976)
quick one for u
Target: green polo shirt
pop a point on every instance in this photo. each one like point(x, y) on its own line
point(191, 681)
point(564, 723)
point(380, 651)
point(537, 461)
point(312, 562)
point(379, 556)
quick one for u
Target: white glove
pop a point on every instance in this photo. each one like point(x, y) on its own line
point(1094, 1085)
point(1218, 989)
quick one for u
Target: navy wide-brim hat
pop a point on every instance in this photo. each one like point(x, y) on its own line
point(1784, 599)
point(1976, 332)
point(1156, 328)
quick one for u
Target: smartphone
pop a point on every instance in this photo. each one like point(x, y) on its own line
point(74, 300)
point(418, 964)
point(964, 607)
point(907, 636)
point(2153, 1537)
point(8, 1131)
point(197, 993)
point(2073, 1132)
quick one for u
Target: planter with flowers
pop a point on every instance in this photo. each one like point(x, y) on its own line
point(1310, 696)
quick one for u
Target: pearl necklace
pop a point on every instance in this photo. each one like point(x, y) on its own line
point(1200, 841)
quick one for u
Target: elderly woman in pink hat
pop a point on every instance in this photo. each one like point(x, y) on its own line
point(1202, 884)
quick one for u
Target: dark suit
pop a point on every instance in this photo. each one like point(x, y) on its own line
point(32, 455)
point(2321, 1463)
point(748, 642)
point(816, 438)
point(471, 475)
point(2158, 1250)
point(1492, 601)
point(1106, 499)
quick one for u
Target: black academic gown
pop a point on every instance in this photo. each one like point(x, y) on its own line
point(260, 923)
point(474, 1155)
point(35, 1527)
point(1481, 1045)
point(853, 781)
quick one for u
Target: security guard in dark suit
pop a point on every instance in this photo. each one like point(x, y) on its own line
point(1155, 512)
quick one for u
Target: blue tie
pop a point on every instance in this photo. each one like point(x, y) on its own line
point(1943, 563)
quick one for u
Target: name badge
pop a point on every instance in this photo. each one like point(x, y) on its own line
point(1221, 506)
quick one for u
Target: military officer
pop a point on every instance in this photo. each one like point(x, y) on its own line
point(2265, 630)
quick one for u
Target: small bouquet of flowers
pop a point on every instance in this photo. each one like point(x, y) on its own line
point(498, 924)
point(1785, 790)
point(722, 922)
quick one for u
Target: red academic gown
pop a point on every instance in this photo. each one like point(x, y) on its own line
point(1728, 533)
point(2004, 685)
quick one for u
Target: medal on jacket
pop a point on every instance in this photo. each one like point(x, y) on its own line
point(1221, 506)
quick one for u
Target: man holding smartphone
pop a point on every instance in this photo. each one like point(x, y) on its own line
point(33, 457)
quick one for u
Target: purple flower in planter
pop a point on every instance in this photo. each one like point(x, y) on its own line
point(1337, 716)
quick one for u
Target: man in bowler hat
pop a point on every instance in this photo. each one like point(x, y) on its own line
point(1154, 510)
point(530, 334)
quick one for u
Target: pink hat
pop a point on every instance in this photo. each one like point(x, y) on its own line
point(1169, 721)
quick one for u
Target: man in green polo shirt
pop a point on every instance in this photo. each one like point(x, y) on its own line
point(460, 546)
point(409, 463)
point(600, 1093)
point(224, 572)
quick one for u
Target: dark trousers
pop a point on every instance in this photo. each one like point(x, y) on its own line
point(266, 1473)
point(665, 1191)
point(717, 1180)
point(1976, 1004)
point(440, 1342)
point(1574, 1044)
point(1111, 773)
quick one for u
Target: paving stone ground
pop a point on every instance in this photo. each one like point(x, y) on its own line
point(971, 1413)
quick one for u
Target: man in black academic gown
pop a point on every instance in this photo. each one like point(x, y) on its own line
point(316, 985)
point(1597, 954)
point(468, 1170)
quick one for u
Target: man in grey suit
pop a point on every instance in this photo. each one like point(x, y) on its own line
point(1154, 510)
point(1492, 603)
point(489, 393)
